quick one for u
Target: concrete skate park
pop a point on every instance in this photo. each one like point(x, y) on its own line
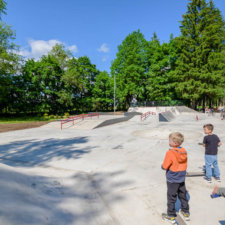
point(88, 174)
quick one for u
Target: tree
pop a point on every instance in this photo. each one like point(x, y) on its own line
point(79, 80)
point(199, 74)
point(130, 68)
point(8, 61)
point(61, 54)
point(103, 91)
point(43, 84)
point(74, 85)
point(159, 65)
point(87, 73)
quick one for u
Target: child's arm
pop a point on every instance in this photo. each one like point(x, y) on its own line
point(167, 161)
point(204, 142)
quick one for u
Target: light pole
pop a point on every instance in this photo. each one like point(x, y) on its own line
point(114, 93)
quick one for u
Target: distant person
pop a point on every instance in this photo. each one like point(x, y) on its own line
point(207, 110)
point(223, 116)
point(211, 143)
point(222, 113)
point(211, 110)
point(134, 102)
point(175, 164)
point(218, 192)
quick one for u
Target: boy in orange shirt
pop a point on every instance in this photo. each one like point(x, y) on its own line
point(175, 164)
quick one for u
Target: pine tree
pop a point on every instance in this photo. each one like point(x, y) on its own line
point(199, 74)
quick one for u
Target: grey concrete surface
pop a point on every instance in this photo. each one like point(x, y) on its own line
point(106, 176)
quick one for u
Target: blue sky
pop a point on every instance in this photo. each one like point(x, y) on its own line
point(93, 28)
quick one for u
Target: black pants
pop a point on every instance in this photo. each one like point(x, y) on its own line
point(174, 189)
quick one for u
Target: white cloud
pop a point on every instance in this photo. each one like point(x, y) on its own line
point(23, 52)
point(104, 48)
point(73, 48)
point(38, 48)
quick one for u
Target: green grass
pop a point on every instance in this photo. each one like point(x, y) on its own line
point(4, 120)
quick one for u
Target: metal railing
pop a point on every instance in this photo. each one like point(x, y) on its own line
point(145, 115)
point(158, 103)
point(82, 116)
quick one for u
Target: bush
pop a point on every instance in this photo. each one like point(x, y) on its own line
point(46, 115)
point(51, 116)
point(66, 115)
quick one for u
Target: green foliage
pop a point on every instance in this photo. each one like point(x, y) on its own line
point(129, 68)
point(159, 66)
point(66, 115)
point(51, 117)
point(103, 92)
point(43, 84)
point(2, 8)
point(143, 68)
point(61, 55)
point(8, 62)
point(199, 73)
point(79, 79)
point(189, 68)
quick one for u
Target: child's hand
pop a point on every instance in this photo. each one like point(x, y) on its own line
point(220, 143)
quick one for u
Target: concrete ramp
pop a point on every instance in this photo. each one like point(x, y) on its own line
point(142, 109)
point(185, 109)
point(91, 123)
point(55, 124)
point(114, 120)
point(166, 116)
point(85, 125)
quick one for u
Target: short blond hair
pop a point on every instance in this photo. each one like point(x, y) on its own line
point(177, 137)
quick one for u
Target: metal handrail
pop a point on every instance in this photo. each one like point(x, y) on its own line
point(145, 115)
point(82, 116)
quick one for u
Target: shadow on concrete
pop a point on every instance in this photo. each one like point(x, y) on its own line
point(84, 200)
point(37, 152)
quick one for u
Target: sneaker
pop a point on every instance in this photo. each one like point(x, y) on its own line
point(171, 219)
point(208, 179)
point(218, 179)
point(214, 195)
point(186, 216)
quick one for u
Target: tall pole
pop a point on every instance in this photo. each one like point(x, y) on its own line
point(114, 93)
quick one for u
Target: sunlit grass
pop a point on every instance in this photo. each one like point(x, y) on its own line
point(4, 120)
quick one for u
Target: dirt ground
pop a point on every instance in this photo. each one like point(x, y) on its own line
point(20, 126)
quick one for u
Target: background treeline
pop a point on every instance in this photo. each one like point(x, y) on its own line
point(190, 68)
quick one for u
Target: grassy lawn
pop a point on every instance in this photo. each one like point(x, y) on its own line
point(4, 120)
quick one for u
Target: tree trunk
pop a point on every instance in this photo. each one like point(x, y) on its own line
point(193, 104)
point(203, 103)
